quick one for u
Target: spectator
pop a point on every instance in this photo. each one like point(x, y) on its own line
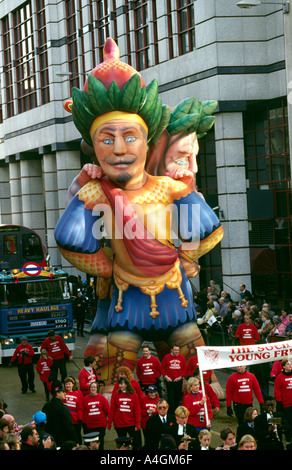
point(277, 327)
point(59, 421)
point(284, 317)
point(223, 307)
point(57, 349)
point(4, 428)
point(247, 332)
point(240, 388)
point(288, 329)
point(23, 354)
point(215, 288)
point(13, 441)
point(30, 439)
point(244, 293)
point(43, 368)
point(96, 409)
point(148, 369)
point(12, 426)
point(174, 369)
point(266, 326)
point(87, 374)
point(125, 412)
point(40, 420)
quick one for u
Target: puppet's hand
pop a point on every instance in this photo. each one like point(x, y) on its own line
point(184, 175)
point(89, 172)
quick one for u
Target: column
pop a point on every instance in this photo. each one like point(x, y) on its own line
point(232, 201)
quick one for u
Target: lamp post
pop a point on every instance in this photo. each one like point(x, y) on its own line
point(256, 3)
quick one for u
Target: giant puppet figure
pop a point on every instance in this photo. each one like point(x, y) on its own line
point(139, 234)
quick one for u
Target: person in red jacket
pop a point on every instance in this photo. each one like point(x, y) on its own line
point(73, 400)
point(87, 375)
point(246, 332)
point(283, 390)
point(148, 405)
point(43, 368)
point(240, 388)
point(23, 354)
point(127, 373)
point(174, 369)
point(148, 370)
point(57, 348)
point(125, 412)
point(96, 409)
point(194, 401)
point(192, 368)
point(209, 391)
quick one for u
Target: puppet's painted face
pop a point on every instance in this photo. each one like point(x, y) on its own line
point(121, 147)
point(182, 154)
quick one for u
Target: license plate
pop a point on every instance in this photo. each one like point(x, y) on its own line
point(38, 323)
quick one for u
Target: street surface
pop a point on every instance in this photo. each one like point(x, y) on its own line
point(23, 407)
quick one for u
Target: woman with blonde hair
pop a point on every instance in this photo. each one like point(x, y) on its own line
point(247, 442)
point(194, 401)
point(204, 440)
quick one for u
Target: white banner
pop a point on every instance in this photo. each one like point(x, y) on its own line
point(219, 357)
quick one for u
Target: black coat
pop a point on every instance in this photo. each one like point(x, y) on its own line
point(190, 430)
point(59, 421)
point(155, 428)
point(266, 440)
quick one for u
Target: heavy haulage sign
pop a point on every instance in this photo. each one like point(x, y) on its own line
point(213, 357)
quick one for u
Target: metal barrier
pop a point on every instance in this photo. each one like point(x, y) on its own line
point(215, 335)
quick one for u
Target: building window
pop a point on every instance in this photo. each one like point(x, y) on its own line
point(141, 47)
point(186, 26)
point(72, 43)
point(211, 264)
point(8, 69)
point(141, 25)
point(170, 30)
point(24, 58)
point(103, 25)
point(268, 172)
point(42, 49)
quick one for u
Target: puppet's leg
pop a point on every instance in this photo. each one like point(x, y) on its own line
point(121, 349)
point(188, 337)
point(95, 347)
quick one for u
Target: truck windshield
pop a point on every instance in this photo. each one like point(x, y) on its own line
point(37, 292)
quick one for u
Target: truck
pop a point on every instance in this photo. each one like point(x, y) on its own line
point(34, 296)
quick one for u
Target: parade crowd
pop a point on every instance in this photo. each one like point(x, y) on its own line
point(161, 405)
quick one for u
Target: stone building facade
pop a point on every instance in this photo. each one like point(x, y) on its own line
point(205, 48)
